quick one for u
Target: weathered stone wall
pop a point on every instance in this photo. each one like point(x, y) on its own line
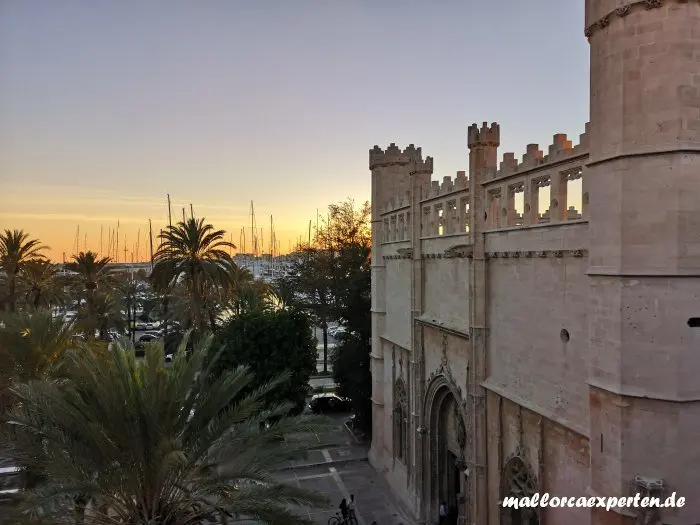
point(398, 302)
point(538, 306)
point(556, 457)
point(447, 292)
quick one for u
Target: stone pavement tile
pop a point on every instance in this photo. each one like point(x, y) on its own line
point(374, 502)
point(310, 472)
point(321, 518)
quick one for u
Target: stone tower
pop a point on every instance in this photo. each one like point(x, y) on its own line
point(644, 255)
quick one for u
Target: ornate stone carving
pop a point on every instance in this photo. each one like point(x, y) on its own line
point(518, 480)
point(405, 253)
point(558, 254)
point(623, 11)
point(460, 250)
point(461, 429)
point(577, 253)
point(445, 371)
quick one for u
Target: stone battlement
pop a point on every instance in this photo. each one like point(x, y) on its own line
point(398, 202)
point(394, 155)
point(484, 136)
point(560, 149)
point(448, 185)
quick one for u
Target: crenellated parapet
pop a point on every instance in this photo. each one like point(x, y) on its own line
point(484, 136)
point(560, 150)
point(398, 202)
point(393, 155)
point(448, 185)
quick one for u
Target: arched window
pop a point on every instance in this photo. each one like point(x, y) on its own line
point(400, 421)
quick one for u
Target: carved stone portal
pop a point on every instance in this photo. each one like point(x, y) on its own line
point(518, 481)
point(447, 445)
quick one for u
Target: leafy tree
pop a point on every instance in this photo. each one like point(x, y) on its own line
point(272, 342)
point(163, 446)
point(41, 284)
point(16, 251)
point(93, 281)
point(348, 231)
point(310, 279)
point(195, 253)
point(332, 279)
point(31, 346)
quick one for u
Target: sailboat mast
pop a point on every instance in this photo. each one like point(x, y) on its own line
point(101, 231)
point(170, 212)
point(150, 238)
point(252, 234)
point(138, 244)
point(116, 251)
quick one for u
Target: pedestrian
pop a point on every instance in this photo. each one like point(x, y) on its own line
point(443, 513)
point(344, 509)
point(351, 508)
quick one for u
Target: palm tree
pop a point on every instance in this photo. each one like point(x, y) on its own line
point(31, 345)
point(195, 253)
point(156, 445)
point(92, 277)
point(41, 284)
point(16, 250)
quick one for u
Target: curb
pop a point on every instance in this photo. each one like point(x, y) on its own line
point(347, 427)
point(334, 463)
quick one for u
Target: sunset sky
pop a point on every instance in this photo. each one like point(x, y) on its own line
point(105, 107)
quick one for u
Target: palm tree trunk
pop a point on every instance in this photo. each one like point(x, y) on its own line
point(212, 320)
point(80, 502)
point(11, 299)
point(165, 317)
point(325, 346)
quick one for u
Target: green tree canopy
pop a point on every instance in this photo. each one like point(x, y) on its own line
point(157, 445)
point(331, 279)
point(272, 342)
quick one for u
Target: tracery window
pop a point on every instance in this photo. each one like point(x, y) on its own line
point(400, 421)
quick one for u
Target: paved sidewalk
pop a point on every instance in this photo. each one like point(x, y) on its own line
point(374, 503)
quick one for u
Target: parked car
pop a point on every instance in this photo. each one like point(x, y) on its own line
point(328, 402)
point(11, 484)
point(145, 338)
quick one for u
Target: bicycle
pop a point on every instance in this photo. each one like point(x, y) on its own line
point(338, 519)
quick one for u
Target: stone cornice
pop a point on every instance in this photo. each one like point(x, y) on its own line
point(623, 11)
point(543, 254)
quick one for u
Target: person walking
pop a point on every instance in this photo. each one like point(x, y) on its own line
point(351, 510)
point(344, 509)
point(443, 513)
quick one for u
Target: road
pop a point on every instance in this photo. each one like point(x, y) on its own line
point(337, 467)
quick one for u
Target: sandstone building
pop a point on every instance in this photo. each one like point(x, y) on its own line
point(523, 342)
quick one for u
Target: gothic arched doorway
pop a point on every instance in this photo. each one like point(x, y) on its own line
point(518, 481)
point(446, 455)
